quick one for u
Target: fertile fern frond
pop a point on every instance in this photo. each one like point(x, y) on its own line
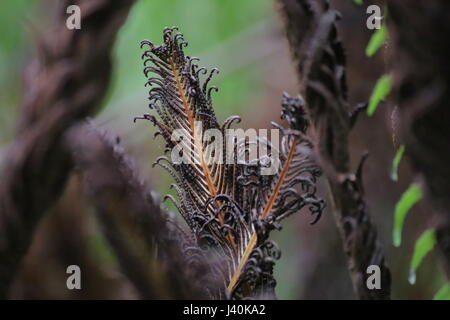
point(275, 197)
point(230, 207)
point(183, 103)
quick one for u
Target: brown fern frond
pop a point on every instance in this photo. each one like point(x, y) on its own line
point(275, 196)
point(230, 207)
point(182, 102)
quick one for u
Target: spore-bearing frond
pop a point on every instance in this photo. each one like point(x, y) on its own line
point(230, 208)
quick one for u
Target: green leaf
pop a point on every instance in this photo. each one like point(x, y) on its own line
point(412, 195)
point(380, 91)
point(396, 162)
point(424, 244)
point(377, 39)
point(358, 2)
point(443, 293)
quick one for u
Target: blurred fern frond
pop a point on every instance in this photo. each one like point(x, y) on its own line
point(230, 206)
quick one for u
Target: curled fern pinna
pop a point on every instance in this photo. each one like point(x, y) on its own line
point(229, 207)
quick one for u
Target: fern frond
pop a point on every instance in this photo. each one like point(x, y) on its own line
point(276, 196)
point(182, 101)
point(231, 208)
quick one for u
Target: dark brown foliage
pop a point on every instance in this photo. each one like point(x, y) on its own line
point(320, 66)
point(150, 247)
point(61, 88)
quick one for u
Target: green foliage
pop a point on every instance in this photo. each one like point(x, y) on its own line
point(443, 293)
point(379, 37)
point(380, 91)
point(423, 246)
point(16, 25)
point(99, 250)
point(396, 162)
point(412, 195)
point(358, 2)
point(11, 21)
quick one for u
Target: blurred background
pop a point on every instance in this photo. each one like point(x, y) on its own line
point(245, 41)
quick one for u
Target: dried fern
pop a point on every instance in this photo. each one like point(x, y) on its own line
point(230, 208)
